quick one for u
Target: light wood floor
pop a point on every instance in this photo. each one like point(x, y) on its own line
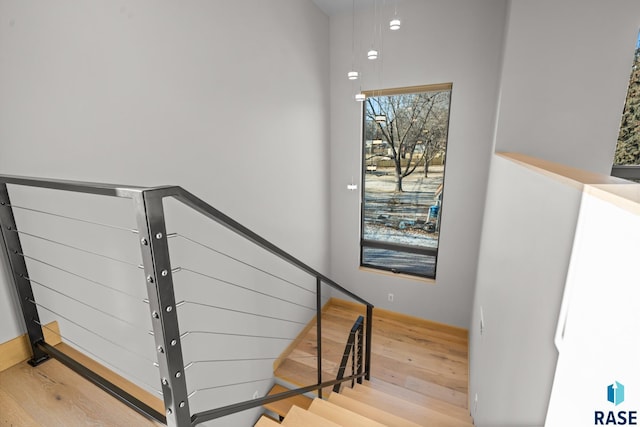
point(420, 356)
point(421, 361)
point(52, 395)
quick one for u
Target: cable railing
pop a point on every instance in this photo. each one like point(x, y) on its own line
point(219, 305)
point(352, 352)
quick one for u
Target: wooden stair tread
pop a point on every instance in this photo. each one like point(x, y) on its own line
point(370, 411)
point(419, 399)
point(301, 375)
point(282, 407)
point(298, 417)
point(341, 415)
point(395, 405)
point(266, 421)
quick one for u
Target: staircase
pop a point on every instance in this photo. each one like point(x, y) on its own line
point(365, 405)
point(421, 352)
point(421, 368)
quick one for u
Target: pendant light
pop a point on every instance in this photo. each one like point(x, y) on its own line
point(353, 75)
point(394, 24)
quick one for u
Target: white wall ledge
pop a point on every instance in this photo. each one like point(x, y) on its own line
point(623, 193)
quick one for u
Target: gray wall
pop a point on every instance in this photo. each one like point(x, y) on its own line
point(227, 99)
point(440, 41)
point(151, 94)
point(564, 80)
point(565, 77)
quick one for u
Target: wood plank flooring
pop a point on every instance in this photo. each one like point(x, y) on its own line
point(415, 360)
point(51, 395)
point(419, 356)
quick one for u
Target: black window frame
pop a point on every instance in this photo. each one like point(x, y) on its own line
point(376, 244)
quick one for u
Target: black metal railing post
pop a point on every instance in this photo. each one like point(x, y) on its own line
point(349, 351)
point(367, 355)
point(319, 331)
point(20, 277)
point(152, 234)
point(354, 367)
point(360, 358)
point(162, 304)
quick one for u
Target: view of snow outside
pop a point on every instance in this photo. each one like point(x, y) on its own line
point(401, 200)
point(401, 217)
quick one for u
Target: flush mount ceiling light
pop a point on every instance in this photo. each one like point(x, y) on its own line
point(372, 54)
point(353, 75)
point(360, 97)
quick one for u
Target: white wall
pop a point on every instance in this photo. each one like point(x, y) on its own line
point(600, 312)
point(227, 99)
point(527, 237)
point(440, 41)
point(565, 77)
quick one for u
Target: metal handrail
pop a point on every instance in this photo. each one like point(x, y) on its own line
point(242, 406)
point(189, 199)
point(152, 234)
point(126, 191)
point(206, 209)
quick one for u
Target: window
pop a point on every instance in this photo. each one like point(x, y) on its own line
point(404, 152)
point(626, 163)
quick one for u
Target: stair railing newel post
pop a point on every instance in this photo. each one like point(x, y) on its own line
point(12, 249)
point(360, 350)
point(354, 335)
point(367, 355)
point(319, 332)
point(162, 304)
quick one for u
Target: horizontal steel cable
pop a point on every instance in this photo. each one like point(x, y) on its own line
point(132, 325)
point(248, 313)
point(35, 236)
point(95, 282)
point(64, 338)
point(227, 385)
point(232, 334)
point(244, 262)
point(93, 332)
point(86, 221)
point(245, 288)
point(252, 359)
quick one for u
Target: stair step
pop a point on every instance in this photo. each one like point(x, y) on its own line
point(340, 415)
point(310, 394)
point(282, 407)
point(298, 417)
point(419, 399)
point(370, 411)
point(300, 373)
point(266, 421)
point(395, 405)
